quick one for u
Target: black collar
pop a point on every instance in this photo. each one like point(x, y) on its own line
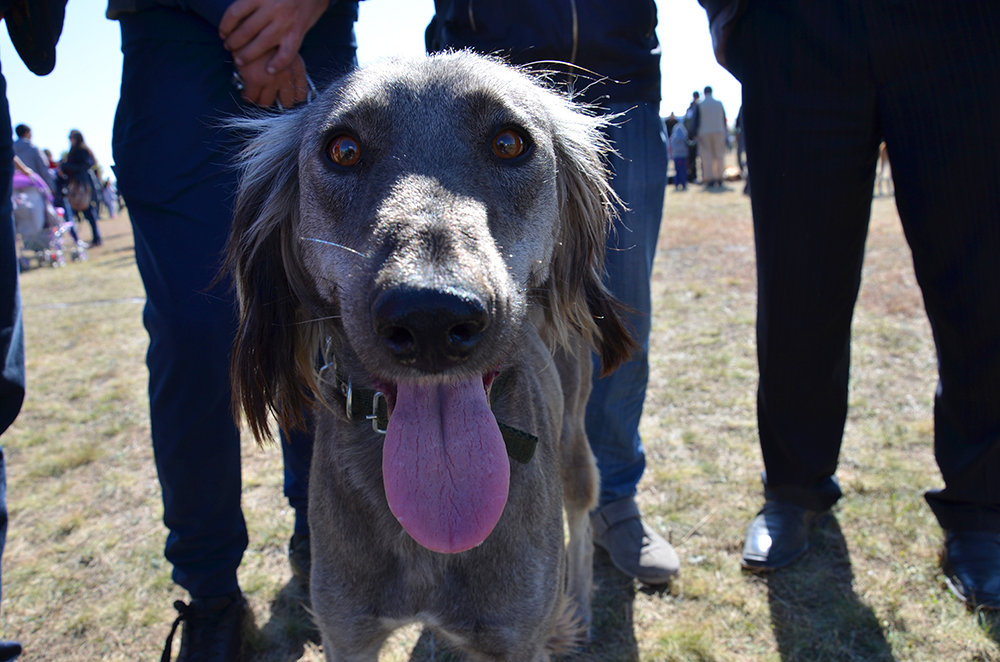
point(366, 404)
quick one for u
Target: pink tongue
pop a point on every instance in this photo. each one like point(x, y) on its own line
point(445, 465)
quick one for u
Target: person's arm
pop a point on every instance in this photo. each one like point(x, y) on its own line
point(19, 164)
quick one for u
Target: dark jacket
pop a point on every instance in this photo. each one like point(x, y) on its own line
point(34, 27)
point(614, 40)
point(212, 10)
point(722, 16)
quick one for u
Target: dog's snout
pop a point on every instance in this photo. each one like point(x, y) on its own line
point(430, 329)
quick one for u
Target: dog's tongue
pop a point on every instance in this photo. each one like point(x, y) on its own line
point(445, 465)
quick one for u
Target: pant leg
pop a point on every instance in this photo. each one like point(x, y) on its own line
point(171, 167)
point(615, 405)
point(807, 98)
point(680, 166)
point(11, 328)
point(938, 69)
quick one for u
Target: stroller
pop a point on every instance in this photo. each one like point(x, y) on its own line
point(44, 231)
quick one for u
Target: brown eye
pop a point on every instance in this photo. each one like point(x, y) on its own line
point(344, 151)
point(509, 144)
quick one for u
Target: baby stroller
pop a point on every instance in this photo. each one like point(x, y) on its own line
point(43, 230)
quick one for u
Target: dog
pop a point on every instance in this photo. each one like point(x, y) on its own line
point(434, 230)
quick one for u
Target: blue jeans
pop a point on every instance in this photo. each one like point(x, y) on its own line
point(11, 335)
point(681, 176)
point(615, 405)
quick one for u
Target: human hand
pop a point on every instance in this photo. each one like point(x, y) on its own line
point(251, 29)
point(288, 86)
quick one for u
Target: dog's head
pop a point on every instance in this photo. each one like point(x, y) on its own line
point(412, 216)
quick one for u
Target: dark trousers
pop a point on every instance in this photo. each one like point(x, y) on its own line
point(823, 83)
point(174, 167)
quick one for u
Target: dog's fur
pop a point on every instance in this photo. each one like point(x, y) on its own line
point(428, 209)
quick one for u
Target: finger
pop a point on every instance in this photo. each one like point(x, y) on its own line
point(234, 14)
point(267, 96)
point(266, 41)
point(287, 50)
point(254, 28)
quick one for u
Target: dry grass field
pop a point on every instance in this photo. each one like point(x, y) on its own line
point(84, 578)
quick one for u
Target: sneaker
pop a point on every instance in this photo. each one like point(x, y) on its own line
point(634, 548)
point(300, 557)
point(213, 629)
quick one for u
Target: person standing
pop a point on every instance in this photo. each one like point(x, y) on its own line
point(691, 124)
point(616, 41)
point(77, 168)
point(34, 34)
point(32, 156)
point(713, 134)
point(679, 153)
point(189, 65)
point(824, 83)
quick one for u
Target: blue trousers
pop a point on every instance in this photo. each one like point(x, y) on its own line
point(615, 405)
point(173, 161)
point(11, 330)
point(823, 83)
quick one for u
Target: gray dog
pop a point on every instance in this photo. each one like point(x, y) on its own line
point(435, 230)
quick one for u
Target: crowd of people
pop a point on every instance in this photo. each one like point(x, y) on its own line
point(703, 132)
point(68, 189)
point(222, 58)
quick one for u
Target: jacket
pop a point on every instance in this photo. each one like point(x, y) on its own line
point(722, 16)
point(34, 27)
point(212, 10)
point(603, 40)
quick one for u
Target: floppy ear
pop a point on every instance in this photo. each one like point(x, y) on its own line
point(274, 352)
point(575, 291)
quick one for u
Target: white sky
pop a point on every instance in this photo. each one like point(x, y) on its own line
point(82, 92)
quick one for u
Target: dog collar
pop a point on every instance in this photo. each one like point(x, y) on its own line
point(371, 405)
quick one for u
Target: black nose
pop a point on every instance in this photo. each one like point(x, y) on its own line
point(430, 329)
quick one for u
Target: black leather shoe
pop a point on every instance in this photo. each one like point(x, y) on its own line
point(778, 535)
point(213, 629)
point(971, 565)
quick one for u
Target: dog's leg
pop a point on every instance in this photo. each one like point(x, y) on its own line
point(580, 480)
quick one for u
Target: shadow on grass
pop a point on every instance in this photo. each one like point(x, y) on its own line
point(814, 611)
point(989, 621)
point(612, 633)
point(283, 638)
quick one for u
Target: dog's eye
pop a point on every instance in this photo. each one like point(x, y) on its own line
point(509, 144)
point(344, 151)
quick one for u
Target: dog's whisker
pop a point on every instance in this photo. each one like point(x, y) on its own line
point(317, 319)
point(331, 243)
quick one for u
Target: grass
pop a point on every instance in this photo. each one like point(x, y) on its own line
point(84, 577)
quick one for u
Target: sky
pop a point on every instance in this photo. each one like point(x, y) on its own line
point(82, 92)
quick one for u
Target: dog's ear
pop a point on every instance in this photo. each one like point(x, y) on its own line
point(575, 292)
point(275, 348)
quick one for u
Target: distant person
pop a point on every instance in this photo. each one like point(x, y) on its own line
point(691, 124)
point(679, 153)
point(824, 83)
point(32, 156)
point(81, 189)
point(109, 195)
point(35, 42)
point(713, 137)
